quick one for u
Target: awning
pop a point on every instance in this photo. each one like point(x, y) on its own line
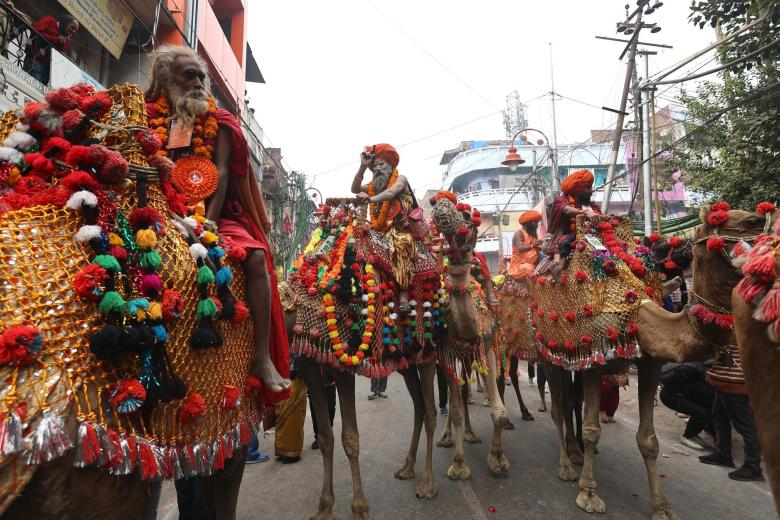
point(253, 74)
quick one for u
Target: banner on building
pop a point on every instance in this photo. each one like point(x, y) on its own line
point(17, 88)
point(65, 73)
point(109, 21)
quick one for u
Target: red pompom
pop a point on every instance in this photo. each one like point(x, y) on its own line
point(253, 384)
point(553, 343)
point(86, 157)
point(765, 207)
point(30, 185)
point(587, 340)
point(720, 206)
point(670, 265)
point(19, 345)
point(570, 317)
point(653, 237)
point(580, 276)
point(33, 109)
point(587, 309)
point(128, 389)
point(630, 297)
point(761, 266)
point(113, 169)
point(612, 333)
point(715, 244)
point(569, 345)
point(476, 213)
point(71, 119)
point(674, 242)
point(632, 329)
point(463, 230)
point(717, 218)
point(476, 221)
point(118, 252)
point(192, 408)
point(241, 313)
point(236, 253)
point(79, 180)
point(231, 397)
point(552, 316)
point(460, 206)
point(145, 217)
point(40, 165)
point(87, 282)
point(56, 147)
point(172, 304)
point(96, 105)
point(149, 141)
point(62, 99)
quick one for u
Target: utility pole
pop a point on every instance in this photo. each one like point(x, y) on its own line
point(498, 218)
point(647, 192)
point(554, 158)
point(622, 111)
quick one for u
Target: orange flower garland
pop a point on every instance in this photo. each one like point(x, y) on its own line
point(204, 132)
point(380, 223)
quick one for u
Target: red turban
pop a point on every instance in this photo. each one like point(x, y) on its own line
point(385, 152)
point(577, 182)
point(444, 195)
point(530, 216)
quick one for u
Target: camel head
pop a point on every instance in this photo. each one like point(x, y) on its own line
point(459, 226)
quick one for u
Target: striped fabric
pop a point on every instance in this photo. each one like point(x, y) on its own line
point(726, 374)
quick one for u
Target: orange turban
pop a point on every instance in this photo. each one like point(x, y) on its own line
point(530, 216)
point(444, 195)
point(385, 152)
point(577, 182)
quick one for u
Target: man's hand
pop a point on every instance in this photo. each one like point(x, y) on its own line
point(363, 197)
point(365, 160)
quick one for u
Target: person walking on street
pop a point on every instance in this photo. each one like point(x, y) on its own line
point(378, 387)
point(441, 382)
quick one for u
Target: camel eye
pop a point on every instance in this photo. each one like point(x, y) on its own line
point(754, 222)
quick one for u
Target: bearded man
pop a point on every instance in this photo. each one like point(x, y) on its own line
point(391, 199)
point(525, 246)
point(577, 190)
point(195, 127)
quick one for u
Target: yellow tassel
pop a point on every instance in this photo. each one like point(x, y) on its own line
point(14, 175)
point(155, 310)
point(146, 238)
point(199, 218)
point(208, 237)
point(115, 240)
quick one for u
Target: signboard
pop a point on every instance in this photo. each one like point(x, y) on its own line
point(65, 73)
point(19, 88)
point(109, 21)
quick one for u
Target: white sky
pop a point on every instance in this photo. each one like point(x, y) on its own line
point(340, 75)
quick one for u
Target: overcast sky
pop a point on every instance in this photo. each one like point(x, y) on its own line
point(341, 75)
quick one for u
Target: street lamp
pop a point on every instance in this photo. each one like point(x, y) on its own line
point(513, 159)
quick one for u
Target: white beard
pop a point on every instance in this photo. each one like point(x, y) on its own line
point(188, 105)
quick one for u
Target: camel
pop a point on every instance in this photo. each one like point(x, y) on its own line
point(472, 335)
point(66, 382)
point(714, 278)
point(418, 369)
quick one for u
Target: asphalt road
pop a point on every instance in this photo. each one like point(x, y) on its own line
point(531, 489)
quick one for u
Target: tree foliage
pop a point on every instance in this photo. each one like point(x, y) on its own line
point(736, 155)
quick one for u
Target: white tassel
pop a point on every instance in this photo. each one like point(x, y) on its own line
point(19, 140)
point(49, 441)
point(199, 251)
point(11, 434)
point(22, 127)
point(11, 155)
point(181, 228)
point(190, 222)
point(81, 198)
point(87, 233)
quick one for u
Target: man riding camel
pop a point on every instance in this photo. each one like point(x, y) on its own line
point(391, 199)
point(192, 126)
point(577, 190)
point(525, 246)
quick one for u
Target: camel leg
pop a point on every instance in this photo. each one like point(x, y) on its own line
point(350, 439)
point(459, 470)
point(427, 487)
point(497, 461)
point(555, 380)
point(526, 415)
point(572, 406)
point(468, 433)
point(588, 500)
point(312, 375)
point(220, 490)
point(445, 440)
point(649, 374)
point(412, 380)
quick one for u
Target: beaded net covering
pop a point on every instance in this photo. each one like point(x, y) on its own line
point(514, 321)
point(38, 258)
point(587, 315)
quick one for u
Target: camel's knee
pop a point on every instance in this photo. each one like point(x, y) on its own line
point(430, 419)
point(591, 434)
point(254, 265)
point(647, 443)
point(351, 443)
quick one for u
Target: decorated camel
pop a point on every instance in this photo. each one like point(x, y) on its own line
point(124, 344)
point(696, 331)
point(473, 334)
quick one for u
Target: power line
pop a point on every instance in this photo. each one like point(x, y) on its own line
point(430, 55)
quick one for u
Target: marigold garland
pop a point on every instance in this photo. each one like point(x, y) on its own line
point(204, 131)
point(379, 220)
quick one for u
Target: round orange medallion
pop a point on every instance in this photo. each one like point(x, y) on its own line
point(195, 177)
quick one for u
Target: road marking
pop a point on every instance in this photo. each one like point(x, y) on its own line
point(471, 500)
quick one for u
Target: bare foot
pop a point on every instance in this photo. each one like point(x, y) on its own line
point(265, 370)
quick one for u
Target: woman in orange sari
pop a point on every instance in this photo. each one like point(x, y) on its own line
point(290, 417)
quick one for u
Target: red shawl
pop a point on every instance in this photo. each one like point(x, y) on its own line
point(243, 189)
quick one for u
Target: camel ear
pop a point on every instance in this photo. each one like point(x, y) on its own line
point(703, 212)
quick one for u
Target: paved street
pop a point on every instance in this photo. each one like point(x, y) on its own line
point(531, 490)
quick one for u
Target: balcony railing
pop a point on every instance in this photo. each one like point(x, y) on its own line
point(487, 200)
